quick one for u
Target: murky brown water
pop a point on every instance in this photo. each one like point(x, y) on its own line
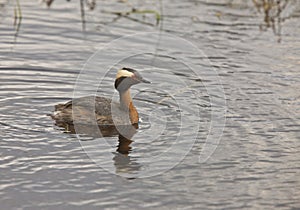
point(256, 163)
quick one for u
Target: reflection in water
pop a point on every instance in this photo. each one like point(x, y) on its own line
point(272, 10)
point(124, 145)
point(122, 161)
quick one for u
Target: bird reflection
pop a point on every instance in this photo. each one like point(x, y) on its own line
point(124, 145)
point(123, 162)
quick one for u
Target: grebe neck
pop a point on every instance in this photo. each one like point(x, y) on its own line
point(125, 99)
point(127, 105)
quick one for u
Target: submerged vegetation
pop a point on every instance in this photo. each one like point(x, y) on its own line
point(18, 17)
point(91, 5)
point(274, 13)
point(272, 10)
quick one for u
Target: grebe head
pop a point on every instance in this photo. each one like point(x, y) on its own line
point(126, 77)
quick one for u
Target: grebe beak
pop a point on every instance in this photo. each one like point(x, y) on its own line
point(144, 81)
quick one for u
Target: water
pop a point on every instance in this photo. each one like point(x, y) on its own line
point(256, 162)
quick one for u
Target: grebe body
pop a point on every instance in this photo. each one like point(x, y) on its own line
point(86, 110)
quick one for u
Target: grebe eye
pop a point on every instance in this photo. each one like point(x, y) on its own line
point(134, 77)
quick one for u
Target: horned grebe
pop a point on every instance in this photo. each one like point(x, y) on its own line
point(106, 112)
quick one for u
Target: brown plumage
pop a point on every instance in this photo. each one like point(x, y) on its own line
point(107, 113)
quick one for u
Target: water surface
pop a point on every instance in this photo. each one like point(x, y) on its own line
point(256, 163)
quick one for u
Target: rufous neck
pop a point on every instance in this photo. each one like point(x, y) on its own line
point(125, 99)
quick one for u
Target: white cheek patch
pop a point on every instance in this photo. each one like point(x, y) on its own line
point(124, 73)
